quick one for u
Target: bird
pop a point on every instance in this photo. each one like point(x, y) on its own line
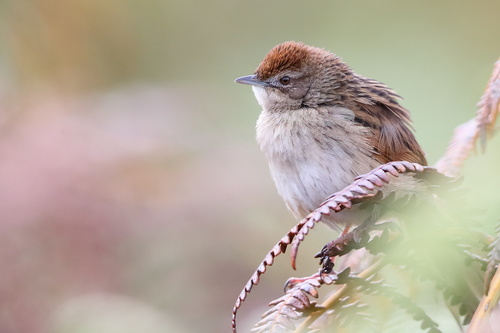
point(322, 124)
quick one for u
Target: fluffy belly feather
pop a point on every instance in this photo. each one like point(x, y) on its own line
point(316, 160)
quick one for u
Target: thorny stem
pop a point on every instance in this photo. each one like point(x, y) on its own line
point(341, 292)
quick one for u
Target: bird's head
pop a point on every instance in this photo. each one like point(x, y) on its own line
point(293, 76)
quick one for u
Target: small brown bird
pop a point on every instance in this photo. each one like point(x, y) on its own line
point(322, 125)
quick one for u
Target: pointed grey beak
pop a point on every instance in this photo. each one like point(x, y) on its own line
point(251, 80)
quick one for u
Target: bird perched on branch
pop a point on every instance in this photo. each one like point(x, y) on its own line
point(322, 125)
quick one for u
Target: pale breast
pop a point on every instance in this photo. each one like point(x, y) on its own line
point(313, 153)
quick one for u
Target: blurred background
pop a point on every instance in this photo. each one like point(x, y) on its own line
point(133, 197)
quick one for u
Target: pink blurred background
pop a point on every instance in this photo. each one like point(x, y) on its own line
point(133, 197)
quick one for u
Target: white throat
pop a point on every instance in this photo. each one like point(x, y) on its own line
point(260, 94)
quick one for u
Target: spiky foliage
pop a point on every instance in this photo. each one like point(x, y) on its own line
point(424, 245)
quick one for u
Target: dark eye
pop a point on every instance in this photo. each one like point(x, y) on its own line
point(285, 80)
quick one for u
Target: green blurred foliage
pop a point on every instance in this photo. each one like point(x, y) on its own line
point(125, 115)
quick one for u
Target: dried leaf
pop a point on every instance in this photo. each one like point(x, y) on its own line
point(482, 126)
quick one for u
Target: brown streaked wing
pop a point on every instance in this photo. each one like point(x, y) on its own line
point(393, 139)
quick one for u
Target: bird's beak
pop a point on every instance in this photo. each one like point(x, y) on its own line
point(251, 80)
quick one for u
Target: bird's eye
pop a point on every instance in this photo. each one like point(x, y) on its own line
point(285, 80)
